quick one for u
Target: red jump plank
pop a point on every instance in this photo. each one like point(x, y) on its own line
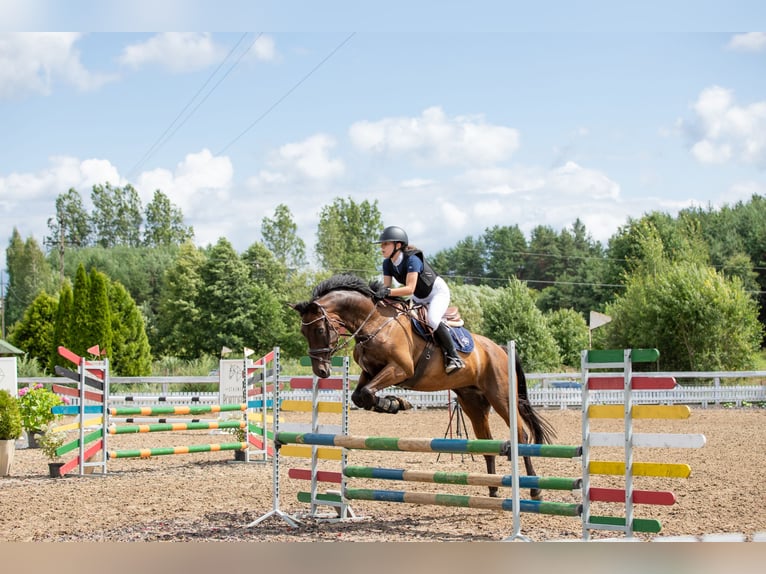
point(70, 392)
point(89, 452)
point(639, 496)
point(69, 355)
point(332, 384)
point(638, 383)
point(258, 443)
point(322, 475)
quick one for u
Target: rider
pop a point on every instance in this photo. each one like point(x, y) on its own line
point(407, 265)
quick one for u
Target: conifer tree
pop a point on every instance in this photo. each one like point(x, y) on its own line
point(100, 317)
point(131, 353)
point(61, 329)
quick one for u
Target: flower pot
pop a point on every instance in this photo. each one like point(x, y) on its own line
point(32, 441)
point(54, 468)
point(7, 450)
point(240, 455)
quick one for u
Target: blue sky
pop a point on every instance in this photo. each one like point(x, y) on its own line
point(452, 122)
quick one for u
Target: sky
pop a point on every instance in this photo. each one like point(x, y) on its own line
point(453, 121)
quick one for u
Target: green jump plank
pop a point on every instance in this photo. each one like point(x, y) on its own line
point(639, 524)
point(335, 362)
point(70, 446)
point(618, 355)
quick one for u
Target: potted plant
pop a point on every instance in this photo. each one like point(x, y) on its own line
point(50, 442)
point(35, 404)
point(239, 436)
point(10, 430)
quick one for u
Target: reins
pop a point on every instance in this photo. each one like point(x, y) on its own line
point(331, 322)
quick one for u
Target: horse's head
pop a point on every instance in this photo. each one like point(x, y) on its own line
point(321, 333)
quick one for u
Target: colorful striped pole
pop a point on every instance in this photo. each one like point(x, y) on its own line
point(457, 446)
point(148, 452)
point(175, 409)
point(462, 478)
point(182, 426)
point(464, 501)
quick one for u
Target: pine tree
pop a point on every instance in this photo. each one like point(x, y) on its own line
point(61, 329)
point(131, 353)
point(100, 317)
point(80, 328)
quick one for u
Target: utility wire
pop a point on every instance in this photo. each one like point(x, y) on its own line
point(286, 94)
point(167, 134)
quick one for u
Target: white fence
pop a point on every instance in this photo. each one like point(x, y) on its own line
point(544, 390)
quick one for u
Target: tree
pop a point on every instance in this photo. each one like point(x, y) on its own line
point(34, 332)
point(280, 235)
point(117, 215)
point(178, 317)
point(511, 315)
point(79, 329)
point(345, 236)
point(505, 248)
point(264, 268)
point(570, 331)
point(28, 274)
point(165, 223)
point(234, 311)
point(463, 263)
point(100, 332)
point(70, 227)
point(61, 327)
point(131, 354)
point(697, 318)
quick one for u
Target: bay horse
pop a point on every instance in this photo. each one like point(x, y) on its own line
point(390, 353)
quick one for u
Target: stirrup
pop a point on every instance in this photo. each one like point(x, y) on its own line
point(453, 364)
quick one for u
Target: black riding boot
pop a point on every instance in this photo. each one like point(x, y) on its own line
point(452, 362)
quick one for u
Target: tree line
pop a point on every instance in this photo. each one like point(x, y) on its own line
point(692, 285)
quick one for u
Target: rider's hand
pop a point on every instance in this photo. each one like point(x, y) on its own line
point(383, 293)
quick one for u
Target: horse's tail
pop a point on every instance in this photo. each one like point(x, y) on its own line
point(542, 431)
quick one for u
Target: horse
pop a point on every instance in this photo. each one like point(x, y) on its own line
point(390, 353)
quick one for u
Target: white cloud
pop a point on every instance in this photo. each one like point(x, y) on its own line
point(572, 179)
point(435, 138)
point(196, 184)
point(265, 48)
point(724, 131)
point(32, 63)
point(174, 51)
point(63, 173)
point(307, 160)
point(749, 42)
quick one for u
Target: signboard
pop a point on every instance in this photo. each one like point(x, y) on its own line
point(8, 380)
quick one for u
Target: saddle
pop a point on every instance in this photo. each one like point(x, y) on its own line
point(452, 316)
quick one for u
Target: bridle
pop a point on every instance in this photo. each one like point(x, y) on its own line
point(330, 323)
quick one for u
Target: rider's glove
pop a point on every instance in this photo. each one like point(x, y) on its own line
point(383, 293)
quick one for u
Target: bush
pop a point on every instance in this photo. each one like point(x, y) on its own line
point(35, 404)
point(10, 417)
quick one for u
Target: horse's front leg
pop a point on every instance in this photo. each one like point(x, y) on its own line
point(365, 395)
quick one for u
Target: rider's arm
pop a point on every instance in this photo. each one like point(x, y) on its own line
point(407, 289)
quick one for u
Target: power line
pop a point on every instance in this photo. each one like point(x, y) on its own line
point(167, 134)
point(286, 94)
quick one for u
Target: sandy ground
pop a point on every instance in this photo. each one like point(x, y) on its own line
point(210, 497)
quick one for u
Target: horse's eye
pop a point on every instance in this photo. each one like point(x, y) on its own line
point(320, 331)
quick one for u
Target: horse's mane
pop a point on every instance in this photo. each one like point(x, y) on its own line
point(346, 282)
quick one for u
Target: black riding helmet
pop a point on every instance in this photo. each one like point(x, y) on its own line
point(394, 234)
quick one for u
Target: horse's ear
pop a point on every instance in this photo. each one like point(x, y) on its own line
point(299, 307)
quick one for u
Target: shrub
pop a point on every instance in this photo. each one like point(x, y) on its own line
point(10, 417)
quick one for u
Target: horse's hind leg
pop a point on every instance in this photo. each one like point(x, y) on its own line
point(476, 407)
point(501, 405)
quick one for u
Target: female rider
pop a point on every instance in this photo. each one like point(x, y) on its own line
point(408, 266)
